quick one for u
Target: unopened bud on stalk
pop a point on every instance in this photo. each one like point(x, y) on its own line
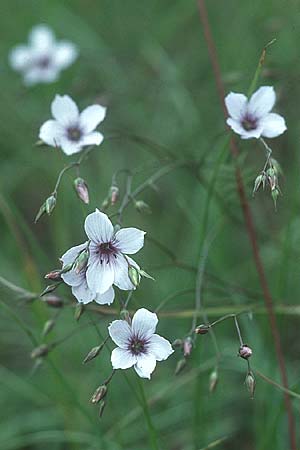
point(54, 275)
point(53, 300)
point(177, 343)
point(250, 383)
point(49, 289)
point(50, 204)
point(101, 408)
point(48, 327)
point(40, 351)
point(93, 353)
point(79, 310)
point(275, 195)
point(142, 207)
point(259, 180)
point(99, 394)
point(187, 346)
point(180, 366)
point(134, 276)
point(81, 260)
point(145, 275)
point(213, 381)
point(114, 195)
point(202, 329)
point(82, 190)
point(245, 351)
point(40, 213)
point(276, 166)
point(124, 315)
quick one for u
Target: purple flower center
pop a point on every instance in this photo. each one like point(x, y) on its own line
point(249, 123)
point(43, 62)
point(74, 133)
point(137, 345)
point(107, 250)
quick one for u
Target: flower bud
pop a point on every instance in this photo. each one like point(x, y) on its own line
point(177, 343)
point(50, 288)
point(53, 300)
point(50, 204)
point(93, 353)
point(259, 180)
point(275, 195)
point(142, 207)
point(54, 275)
point(114, 195)
point(213, 381)
point(202, 329)
point(81, 260)
point(99, 394)
point(42, 350)
point(187, 346)
point(250, 383)
point(79, 310)
point(180, 366)
point(134, 276)
point(48, 327)
point(81, 189)
point(101, 408)
point(245, 351)
point(40, 213)
point(145, 275)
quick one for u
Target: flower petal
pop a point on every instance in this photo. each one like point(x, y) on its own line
point(130, 240)
point(19, 57)
point(65, 54)
point(107, 298)
point(91, 117)
point(160, 347)
point(40, 75)
point(144, 323)
point(42, 37)
point(98, 227)
point(82, 292)
point(122, 359)
point(120, 332)
point(237, 128)
point(51, 133)
point(145, 365)
point(64, 110)
point(71, 277)
point(273, 125)
point(94, 138)
point(100, 277)
point(262, 101)
point(69, 147)
point(236, 105)
point(122, 279)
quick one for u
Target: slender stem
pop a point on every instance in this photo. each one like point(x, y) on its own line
point(249, 222)
point(152, 431)
point(268, 151)
point(238, 331)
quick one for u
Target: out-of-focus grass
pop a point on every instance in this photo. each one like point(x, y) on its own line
point(147, 61)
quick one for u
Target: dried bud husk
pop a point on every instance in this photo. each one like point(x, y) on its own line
point(134, 276)
point(245, 351)
point(213, 380)
point(177, 343)
point(187, 346)
point(250, 383)
point(82, 190)
point(99, 394)
point(49, 289)
point(50, 204)
point(142, 207)
point(101, 408)
point(54, 275)
point(79, 310)
point(145, 275)
point(93, 353)
point(81, 260)
point(48, 327)
point(40, 351)
point(114, 195)
point(124, 315)
point(202, 329)
point(180, 366)
point(53, 300)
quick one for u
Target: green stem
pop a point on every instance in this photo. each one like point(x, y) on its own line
point(152, 431)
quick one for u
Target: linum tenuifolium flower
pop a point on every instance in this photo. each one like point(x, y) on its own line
point(102, 261)
point(138, 345)
point(42, 59)
point(252, 118)
point(72, 130)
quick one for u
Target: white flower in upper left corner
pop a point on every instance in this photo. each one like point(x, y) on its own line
point(42, 59)
point(77, 280)
point(252, 118)
point(72, 130)
point(138, 345)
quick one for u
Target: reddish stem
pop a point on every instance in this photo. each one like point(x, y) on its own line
point(249, 224)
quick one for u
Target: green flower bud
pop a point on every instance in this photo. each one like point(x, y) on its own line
point(50, 204)
point(134, 276)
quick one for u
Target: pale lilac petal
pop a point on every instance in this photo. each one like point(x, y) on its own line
point(145, 365)
point(120, 332)
point(100, 277)
point(94, 138)
point(51, 133)
point(64, 110)
point(71, 277)
point(122, 359)
point(130, 240)
point(20, 57)
point(98, 227)
point(237, 128)
point(236, 105)
point(65, 54)
point(144, 323)
point(35, 74)
point(107, 298)
point(121, 265)
point(262, 101)
point(273, 125)
point(69, 147)
point(41, 37)
point(82, 293)
point(91, 117)
point(160, 347)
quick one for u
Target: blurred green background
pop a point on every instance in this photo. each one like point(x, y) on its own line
point(147, 61)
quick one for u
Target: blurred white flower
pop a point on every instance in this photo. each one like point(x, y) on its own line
point(77, 279)
point(72, 130)
point(108, 261)
point(42, 59)
point(138, 345)
point(252, 118)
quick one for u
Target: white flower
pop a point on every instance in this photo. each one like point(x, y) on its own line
point(252, 118)
point(108, 261)
point(78, 280)
point(42, 59)
point(138, 345)
point(72, 130)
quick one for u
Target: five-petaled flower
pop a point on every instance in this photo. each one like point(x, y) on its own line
point(42, 59)
point(72, 130)
point(138, 345)
point(252, 118)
